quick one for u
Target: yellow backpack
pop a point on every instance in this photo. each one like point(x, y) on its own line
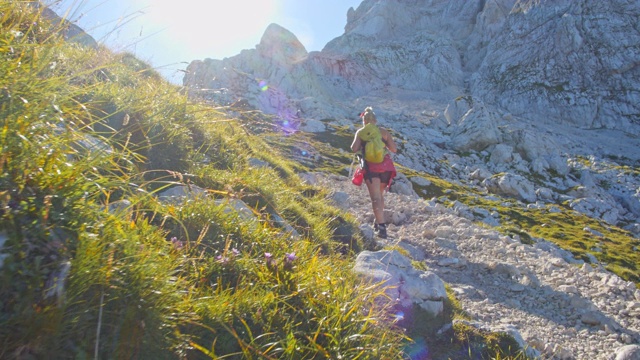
point(374, 148)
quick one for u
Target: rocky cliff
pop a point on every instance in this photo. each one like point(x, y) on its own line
point(573, 62)
point(536, 100)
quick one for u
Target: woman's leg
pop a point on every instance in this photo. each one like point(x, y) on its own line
point(384, 181)
point(382, 187)
point(377, 201)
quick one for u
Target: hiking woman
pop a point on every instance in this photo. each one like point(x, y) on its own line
point(378, 176)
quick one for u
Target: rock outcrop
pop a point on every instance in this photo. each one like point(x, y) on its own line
point(404, 284)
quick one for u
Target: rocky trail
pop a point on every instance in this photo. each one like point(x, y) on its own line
point(561, 307)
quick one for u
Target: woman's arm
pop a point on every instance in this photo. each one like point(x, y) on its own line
point(388, 140)
point(356, 145)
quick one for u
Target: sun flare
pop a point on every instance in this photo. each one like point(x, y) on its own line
point(206, 22)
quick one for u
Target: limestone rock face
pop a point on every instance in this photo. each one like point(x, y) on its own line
point(566, 61)
point(571, 62)
point(264, 76)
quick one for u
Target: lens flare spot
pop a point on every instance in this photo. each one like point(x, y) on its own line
point(263, 85)
point(399, 316)
point(304, 153)
point(418, 350)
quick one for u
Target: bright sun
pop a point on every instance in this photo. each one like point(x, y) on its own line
point(204, 22)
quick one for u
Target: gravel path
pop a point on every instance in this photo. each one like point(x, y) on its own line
point(561, 307)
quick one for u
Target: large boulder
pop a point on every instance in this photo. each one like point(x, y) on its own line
point(629, 352)
point(476, 130)
point(402, 281)
point(511, 185)
point(596, 203)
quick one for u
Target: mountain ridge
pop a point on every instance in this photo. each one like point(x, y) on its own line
point(481, 49)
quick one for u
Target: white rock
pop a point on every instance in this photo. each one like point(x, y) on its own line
point(420, 181)
point(180, 193)
point(570, 289)
point(313, 126)
point(406, 284)
point(501, 154)
point(476, 130)
point(480, 174)
point(449, 262)
point(511, 185)
point(340, 199)
point(629, 352)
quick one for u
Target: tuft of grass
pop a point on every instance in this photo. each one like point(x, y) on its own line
point(477, 344)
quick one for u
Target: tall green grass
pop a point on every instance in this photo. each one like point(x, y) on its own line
point(86, 129)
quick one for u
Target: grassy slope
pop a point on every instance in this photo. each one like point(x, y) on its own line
point(158, 280)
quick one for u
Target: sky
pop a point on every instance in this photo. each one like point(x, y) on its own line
point(169, 34)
